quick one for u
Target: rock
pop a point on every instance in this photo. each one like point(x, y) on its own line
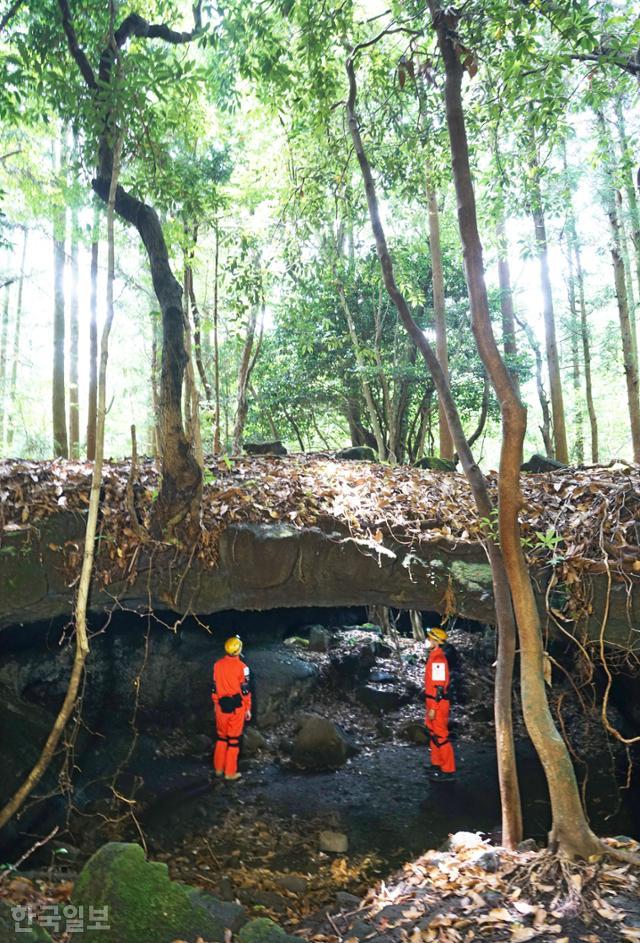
point(357, 453)
point(414, 732)
point(335, 842)
point(293, 883)
point(382, 677)
point(380, 700)
point(529, 844)
point(347, 668)
point(14, 931)
point(264, 448)
point(345, 901)
point(489, 861)
point(383, 729)
point(359, 930)
point(144, 904)
point(231, 915)
point(433, 463)
point(540, 463)
point(269, 899)
point(264, 930)
point(296, 641)
point(319, 639)
point(282, 682)
point(253, 742)
point(321, 744)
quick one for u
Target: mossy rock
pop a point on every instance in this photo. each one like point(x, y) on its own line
point(357, 453)
point(144, 904)
point(8, 933)
point(264, 930)
point(433, 463)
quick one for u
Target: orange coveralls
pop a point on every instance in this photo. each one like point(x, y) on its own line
point(232, 700)
point(436, 685)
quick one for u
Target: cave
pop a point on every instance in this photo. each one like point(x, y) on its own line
point(139, 751)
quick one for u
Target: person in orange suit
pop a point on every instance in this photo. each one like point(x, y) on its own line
point(231, 696)
point(436, 684)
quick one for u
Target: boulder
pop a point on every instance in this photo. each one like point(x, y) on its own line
point(346, 901)
point(319, 639)
point(433, 463)
point(540, 463)
point(293, 883)
point(230, 914)
point(143, 903)
point(253, 742)
point(321, 744)
point(264, 448)
point(14, 930)
point(380, 700)
point(414, 732)
point(335, 842)
point(347, 668)
point(282, 682)
point(264, 930)
point(357, 453)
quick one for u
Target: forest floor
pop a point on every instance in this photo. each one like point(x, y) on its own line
point(257, 841)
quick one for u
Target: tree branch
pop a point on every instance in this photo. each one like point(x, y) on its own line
point(627, 65)
point(11, 12)
point(74, 46)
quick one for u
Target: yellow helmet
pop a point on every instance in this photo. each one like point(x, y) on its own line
point(233, 645)
point(438, 635)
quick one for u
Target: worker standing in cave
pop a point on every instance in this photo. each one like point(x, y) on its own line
point(231, 696)
point(436, 683)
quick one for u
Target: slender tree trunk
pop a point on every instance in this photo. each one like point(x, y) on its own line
point(244, 374)
point(4, 344)
point(574, 252)
point(192, 400)
point(155, 393)
point(509, 344)
point(628, 351)
point(216, 346)
point(553, 361)
point(81, 636)
point(74, 402)
point(586, 355)
point(511, 809)
point(92, 405)
point(59, 409)
point(578, 442)
point(364, 383)
point(545, 428)
point(632, 201)
point(13, 388)
point(570, 831)
point(439, 314)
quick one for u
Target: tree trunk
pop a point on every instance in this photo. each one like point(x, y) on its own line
point(216, 346)
point(632, 200)
point(628, 351)
point(13, 388)
point(578, 442)
point(573, 243)
point(81, 636)
point(545, 428)
point(244, 374)
point(439, 314)
point(561, 449)
point(74, 403)
point(509, 344)
point(511, 809)
point(92, 405)
point(192, 400)
point(364, 383)
point(4, 344)
point(570, 831)
point(155, 393)
point(59, 409)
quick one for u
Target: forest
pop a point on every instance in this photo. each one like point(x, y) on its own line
point(318, 335)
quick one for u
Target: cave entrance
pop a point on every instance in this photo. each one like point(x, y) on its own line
point(142, 750)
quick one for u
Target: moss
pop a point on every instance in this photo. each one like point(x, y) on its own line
point(264, 930)
point(144, 904)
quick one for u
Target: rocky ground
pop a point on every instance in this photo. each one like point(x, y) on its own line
point(335, 799)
